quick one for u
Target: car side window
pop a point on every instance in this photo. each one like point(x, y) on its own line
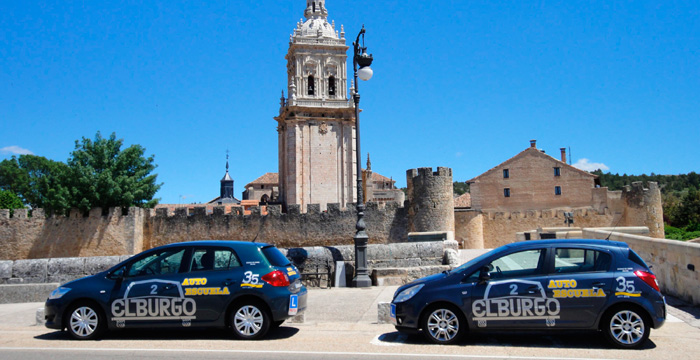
point(208, 259)
point(164, 262)
point(572, 260)
point(519, 264)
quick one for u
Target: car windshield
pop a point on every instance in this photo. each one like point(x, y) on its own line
point(274, 256)
point(475, 260)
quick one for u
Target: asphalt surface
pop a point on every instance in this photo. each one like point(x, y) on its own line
point(339, 324)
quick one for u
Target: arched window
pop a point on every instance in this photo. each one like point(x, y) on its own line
point(264, 199)
point(311, 85)
point(331, 86)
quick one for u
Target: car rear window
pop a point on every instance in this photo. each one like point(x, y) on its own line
point(275, 256)
point(636, 259)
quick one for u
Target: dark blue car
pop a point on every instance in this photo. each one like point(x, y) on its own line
point(537, 285)
point(249, 287)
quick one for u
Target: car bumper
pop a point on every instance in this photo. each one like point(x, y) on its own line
point(53, 314)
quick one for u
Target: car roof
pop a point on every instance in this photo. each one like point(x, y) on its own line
point(556, 242)
point(231, 243)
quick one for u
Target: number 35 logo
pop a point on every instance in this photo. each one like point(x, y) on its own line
point(624, 285)
point(250, 278)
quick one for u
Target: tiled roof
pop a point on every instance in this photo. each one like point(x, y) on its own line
point(378, 177)
point(535, 152)
point(268, 178)
point(464, 200)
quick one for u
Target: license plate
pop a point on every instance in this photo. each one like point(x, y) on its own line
point(392, 314)
point(293, 304)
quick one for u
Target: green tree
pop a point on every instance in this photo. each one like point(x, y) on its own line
point(460, 187)
point(10, 200)
point(103, 175)
point(37, 180)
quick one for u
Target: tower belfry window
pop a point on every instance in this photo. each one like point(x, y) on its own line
point(311, 85)
point(331, 86)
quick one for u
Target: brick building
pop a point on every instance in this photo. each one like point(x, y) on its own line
point(532, 180)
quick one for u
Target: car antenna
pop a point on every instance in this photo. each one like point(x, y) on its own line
point(614, 227)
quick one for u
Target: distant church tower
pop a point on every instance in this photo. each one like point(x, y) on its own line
point(316, 123)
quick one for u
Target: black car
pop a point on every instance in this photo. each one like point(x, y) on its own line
point(537, 285)
point(249, 287)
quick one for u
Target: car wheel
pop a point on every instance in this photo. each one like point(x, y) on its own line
point(443, 324)
point(250, 321)
point(626, 328)
point(85, 321)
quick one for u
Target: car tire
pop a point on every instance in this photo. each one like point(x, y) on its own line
point(250, 321)
point(443, 324)
point(85, 321)
point(626, 327)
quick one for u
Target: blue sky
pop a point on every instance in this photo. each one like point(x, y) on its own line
point(462, 84)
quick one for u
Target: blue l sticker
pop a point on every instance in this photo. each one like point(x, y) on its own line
point(293, 304)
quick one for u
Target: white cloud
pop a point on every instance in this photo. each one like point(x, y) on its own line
point(15, 150)
point(584, 164)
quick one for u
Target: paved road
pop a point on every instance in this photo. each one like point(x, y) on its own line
point(341, 324)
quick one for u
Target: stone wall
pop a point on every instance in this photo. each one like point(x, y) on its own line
point(62, 270)
point(643, 207)
point(115, 234)
point(676, 264)
point(500, 228)
point(74, 235)
point(386, 224)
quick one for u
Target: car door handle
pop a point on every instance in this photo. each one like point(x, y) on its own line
point(598, 285)
point(532, 289)
point(229, 282)
point(167, 287)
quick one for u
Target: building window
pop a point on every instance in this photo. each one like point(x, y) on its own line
point(557, 171)
point(331, 86)
point(557, 190)
point(311, 85)
point(506, 192)
point(506, 173)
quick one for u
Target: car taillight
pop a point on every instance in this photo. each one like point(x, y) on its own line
point(648, 278)
point(276, 278)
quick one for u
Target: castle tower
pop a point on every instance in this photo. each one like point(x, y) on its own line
point(431, 204)
point(316, 122)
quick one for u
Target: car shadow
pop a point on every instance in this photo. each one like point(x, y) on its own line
point(565, 340)
point(283, 332)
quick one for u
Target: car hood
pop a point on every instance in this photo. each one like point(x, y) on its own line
point(424, 280)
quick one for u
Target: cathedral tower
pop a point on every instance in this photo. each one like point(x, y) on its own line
point(316, 122)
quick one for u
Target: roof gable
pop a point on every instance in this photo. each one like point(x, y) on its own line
point(531, 151)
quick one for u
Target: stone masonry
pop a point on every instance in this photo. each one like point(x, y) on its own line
point(431, 204)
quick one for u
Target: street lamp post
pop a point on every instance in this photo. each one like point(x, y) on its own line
point(361, 59)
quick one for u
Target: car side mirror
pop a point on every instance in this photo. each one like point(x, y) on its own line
point(484, 275)
point(117, 274)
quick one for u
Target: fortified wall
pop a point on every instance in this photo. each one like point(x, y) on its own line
point(632, 206)
point(139, 229)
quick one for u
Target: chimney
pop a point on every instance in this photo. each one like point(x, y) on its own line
point(533, 143)
point(563, 155)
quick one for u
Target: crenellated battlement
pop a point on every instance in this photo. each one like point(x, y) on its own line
point(543, 214)
point(333, 210)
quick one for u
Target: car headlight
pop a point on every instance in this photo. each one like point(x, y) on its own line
point(56, 294)
point(408, 293)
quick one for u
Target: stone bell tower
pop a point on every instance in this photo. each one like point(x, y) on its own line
point(316, 122)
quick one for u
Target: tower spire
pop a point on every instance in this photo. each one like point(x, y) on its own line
point(369, 163)
point(316, 9)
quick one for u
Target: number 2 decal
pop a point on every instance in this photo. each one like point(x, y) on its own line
point(513, 289)
point(153, 289)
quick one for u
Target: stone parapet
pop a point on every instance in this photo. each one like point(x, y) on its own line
point(676, 264)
